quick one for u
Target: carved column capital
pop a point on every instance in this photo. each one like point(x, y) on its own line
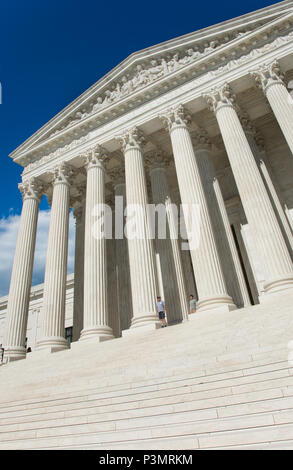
point(267, 75)
point(31, 189)
point(77, 211)
point(175, 117)
point(132, 138)
point(97, 156)
point(62, 174)
point(246, 122)
point(156, 158)
point(220, 97)
point(200, 139)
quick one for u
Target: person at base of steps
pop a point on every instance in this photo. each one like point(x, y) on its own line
point(192, 304)
point(161, 309)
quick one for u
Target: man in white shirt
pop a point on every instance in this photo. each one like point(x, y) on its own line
point(161, 309)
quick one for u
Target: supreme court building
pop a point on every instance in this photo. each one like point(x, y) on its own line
point(205, 119)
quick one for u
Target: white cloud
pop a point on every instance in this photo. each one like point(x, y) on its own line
point(8, 236)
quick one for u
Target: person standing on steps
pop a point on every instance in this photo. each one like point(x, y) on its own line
point(161, 309)
point(192, 304)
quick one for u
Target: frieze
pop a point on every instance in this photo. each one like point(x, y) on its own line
point(242, 58)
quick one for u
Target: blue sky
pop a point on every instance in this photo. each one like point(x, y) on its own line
point(54, 50)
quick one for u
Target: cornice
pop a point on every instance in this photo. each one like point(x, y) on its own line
point(124, 104)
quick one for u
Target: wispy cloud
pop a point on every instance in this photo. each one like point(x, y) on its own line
point(8, 236)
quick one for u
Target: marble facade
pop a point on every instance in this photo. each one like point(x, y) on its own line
point(203, 119)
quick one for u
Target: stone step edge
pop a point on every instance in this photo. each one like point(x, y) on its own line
point(196, 436)
point(169, 390)
point(172, 378)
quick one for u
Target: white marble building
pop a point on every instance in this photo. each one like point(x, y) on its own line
point(204, 119)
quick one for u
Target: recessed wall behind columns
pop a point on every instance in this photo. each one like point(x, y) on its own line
point(35, 312)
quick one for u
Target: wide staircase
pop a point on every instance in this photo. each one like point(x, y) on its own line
point(219, 381)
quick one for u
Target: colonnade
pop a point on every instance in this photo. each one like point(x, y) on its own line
point(219, 278)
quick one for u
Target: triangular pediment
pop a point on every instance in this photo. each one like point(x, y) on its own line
point(139, 72)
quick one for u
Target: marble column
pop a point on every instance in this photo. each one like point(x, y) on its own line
point(270, 79)
point(267, 235)
point(209, 276)
point(226, 246)
point(112, 278)
point(122, 259)
point(53, 314)
point(168, 248)
point(95, 309)
point(79, 215)
point(184, 249)
point(257, 146)
point(21, 277)
point(140, 246)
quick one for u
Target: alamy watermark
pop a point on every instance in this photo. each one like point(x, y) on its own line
point(150, 221)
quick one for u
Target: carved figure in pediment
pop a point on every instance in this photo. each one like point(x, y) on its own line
point(126, 86)
point(107, 99)
point(164, 66)
point(98, 104)
point(191, 55)
point(115, 92)
point(155, 71)
point(173, 64)
point(210, 47)
point(140, 78)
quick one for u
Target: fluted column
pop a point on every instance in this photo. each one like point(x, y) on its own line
point(21, 277)
point(122, 259)
point(209, 277)
point(261, 218)
point(226, 246)
point(79, 215)
point(53, 315)
point(270, 79)
point(140, 247)
point(257, 146)
point(168, 248)
point(95, 320)
point(112, 280)
point(177, 259)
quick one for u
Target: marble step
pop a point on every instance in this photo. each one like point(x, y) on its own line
point(197, 384)
point(137, 384)
point(134, 397)
point(130, 373)
point(107, 414)
point(209, 434)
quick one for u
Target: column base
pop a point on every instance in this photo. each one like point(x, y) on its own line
point(223, 303)
point(97, 334)
point(52, 344)
point(14, 353)
point(148, 318)
point(277, 285)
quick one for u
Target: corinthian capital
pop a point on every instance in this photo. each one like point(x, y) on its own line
point(219, 97)
point(62, 173)
point(97, 156)
point(156, 158)
point(31, 189)
point(246, 122)
point(175, 117)
point(267, 75)
point(200, 139)
point(132, 138)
